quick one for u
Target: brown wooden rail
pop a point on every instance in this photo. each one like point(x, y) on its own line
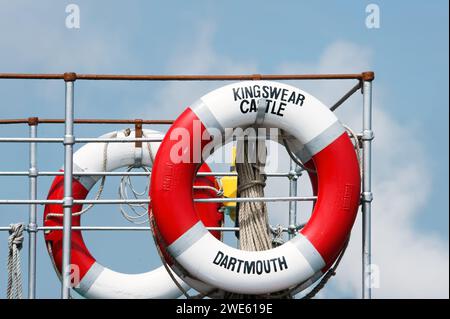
point(36, 120)
point(71, 76)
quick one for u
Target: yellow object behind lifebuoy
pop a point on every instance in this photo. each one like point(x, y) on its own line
point(229, 186)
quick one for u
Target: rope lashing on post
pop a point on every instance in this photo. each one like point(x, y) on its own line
point(277, 232)
point(355, 139)
point(15, 241)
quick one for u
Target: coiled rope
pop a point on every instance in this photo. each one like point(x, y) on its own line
point(135, 217)
point(15, 241)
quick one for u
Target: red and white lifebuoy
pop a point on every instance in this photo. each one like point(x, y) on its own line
point(321, 141)
point(96, 280)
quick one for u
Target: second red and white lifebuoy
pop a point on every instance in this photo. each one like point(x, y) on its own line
point(96, 280)
point(322, 142)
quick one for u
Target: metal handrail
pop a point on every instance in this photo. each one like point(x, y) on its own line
point(71, 76)
point(60, 173)
point(147, 201)
point(364, 83)
point(112, 228)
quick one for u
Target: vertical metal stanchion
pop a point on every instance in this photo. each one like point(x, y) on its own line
point(69, 141)
point(32, 221)
point(293, 177)
point(367, 195)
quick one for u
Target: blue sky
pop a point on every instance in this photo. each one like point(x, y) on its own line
point(409, 54)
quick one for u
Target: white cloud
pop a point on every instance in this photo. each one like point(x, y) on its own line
point(413, 263)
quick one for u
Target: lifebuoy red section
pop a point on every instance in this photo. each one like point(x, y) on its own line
point(79, 252)
point(173, 206)
point(338, 188)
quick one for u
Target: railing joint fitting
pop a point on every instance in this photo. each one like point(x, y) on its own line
point(292, 229)
point(368, 76)
point(293, 175)
point(367, 135)
point(67, 201)
point(32, 228)
point(70, 77)
point(366, 197)
point(33, 121)
point(33, 172)
point(69, 140)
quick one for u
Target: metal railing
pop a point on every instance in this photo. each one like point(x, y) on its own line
point(364, 83)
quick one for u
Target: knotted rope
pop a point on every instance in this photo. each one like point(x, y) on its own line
point(15, 240)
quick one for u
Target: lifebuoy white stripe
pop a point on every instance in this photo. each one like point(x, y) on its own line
point(187, 239)
point(90, 278)
point(319, 142)
point(206, 116)
point(88, 181)
point(310, 252)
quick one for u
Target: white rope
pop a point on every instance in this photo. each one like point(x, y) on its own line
point(135, 216)
point(15, 240)
point(218, 191)
point(356, 146)
point(125, 183)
